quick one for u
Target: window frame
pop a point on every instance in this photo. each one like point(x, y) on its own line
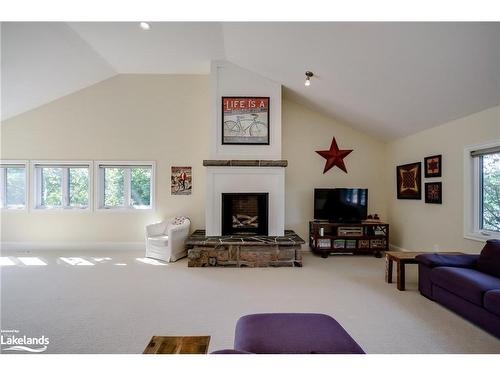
point(3, 184)
point(99, 185)
point(37, 187)
point(473, 194)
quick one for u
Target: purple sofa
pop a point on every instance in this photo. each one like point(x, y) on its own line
point(466, 284)
point(291, 333)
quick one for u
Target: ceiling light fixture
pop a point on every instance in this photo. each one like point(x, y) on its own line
point(145, 26)
point(308, 78)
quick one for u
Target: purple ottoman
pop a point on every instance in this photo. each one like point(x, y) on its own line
point(293, 334)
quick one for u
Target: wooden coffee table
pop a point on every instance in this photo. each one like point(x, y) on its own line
point(403, 258)
point(178, 345)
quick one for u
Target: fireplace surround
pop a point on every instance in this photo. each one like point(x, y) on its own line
point(238, 179)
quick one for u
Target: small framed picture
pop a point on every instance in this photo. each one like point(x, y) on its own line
point(433, 166)
point(409, 181)
point(433, 192)
point(181, 181)
point(245, 120)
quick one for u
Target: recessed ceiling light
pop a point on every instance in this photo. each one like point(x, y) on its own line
point(145, 26)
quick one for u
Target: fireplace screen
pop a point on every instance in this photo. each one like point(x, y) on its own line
point(245, 213)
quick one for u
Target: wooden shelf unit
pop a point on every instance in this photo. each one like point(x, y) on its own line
point(365, 237)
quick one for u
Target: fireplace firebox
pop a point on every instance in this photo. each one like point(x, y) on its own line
point(245, 213)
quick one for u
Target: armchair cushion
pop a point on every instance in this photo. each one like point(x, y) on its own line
point(437, 260)
point(489, 260)
point(179, 220)
point(158, 240)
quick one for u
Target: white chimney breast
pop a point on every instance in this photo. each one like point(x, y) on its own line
point(231, 80)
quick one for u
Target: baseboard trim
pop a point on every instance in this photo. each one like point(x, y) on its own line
point(80, 246)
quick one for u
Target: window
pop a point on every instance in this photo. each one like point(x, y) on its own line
point(62, 185)
point(125, 185)
point(489, 167)
point(482, 191)
point(13, 185)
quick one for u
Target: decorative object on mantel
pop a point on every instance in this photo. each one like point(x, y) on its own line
point(245, 163)
point(245, 120)
point(181, 181)
point(434, 192)
point(334, 157)
point(409, 181)
point(433, 166)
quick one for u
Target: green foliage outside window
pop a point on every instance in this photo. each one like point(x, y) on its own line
point(114, 180)
point(140, 191)
point(491, 192)
point(78, 187)
point(51, 187)
point(15, 194)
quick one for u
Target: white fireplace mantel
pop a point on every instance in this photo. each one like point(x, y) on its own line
point(269, 180)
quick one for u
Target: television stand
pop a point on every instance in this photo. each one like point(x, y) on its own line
point(359, 238)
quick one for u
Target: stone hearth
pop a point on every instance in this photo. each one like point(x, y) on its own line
point(244, 251)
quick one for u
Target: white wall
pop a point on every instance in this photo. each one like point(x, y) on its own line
point(427, 227)
point(304, 132)
point(128, 117)
point(167, 119)
point(231, 80)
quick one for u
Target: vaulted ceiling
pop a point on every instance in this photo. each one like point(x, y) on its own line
point(386, 79)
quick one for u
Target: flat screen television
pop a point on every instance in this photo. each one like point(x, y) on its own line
point(342, 205)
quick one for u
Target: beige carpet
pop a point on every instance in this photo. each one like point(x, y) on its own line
point(119, 302)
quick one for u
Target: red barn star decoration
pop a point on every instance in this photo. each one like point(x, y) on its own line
point(334, 157)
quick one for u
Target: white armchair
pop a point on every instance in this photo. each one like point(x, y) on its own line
point(165, 240)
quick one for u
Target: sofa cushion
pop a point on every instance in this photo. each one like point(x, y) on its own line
point(489, 260)
point(492, 301)
point(442, 260)
point(464, 282)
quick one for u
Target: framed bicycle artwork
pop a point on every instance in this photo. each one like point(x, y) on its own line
point(245, 120)
point(181, 181)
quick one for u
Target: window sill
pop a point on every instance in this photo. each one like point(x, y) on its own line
point(125, 209)
point(4, 209)
point(478, 236)
point(61, 209)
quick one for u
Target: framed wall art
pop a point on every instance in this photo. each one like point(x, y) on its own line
point(245, 120)
point(433, 166)
point(181, 181)
point(409, 181)
point(434, 192)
